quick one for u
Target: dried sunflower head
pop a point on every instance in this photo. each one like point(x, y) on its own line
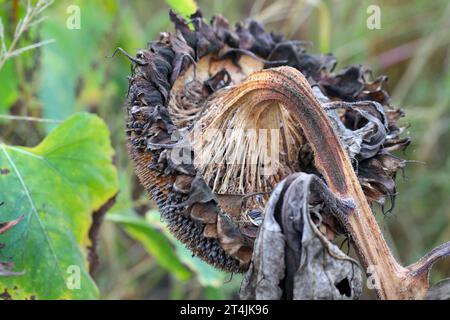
point(210, 155)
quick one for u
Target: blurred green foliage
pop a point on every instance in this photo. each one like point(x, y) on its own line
point(76, 74)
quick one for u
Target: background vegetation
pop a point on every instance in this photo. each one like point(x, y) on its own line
point(138, 259)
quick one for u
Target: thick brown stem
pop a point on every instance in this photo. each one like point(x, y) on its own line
point(289, 87)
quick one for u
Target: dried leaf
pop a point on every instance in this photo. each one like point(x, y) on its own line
point(291, 251)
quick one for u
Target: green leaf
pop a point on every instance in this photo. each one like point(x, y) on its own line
point(212, 293)
point(55, 187)
point(154, 241)
point(183, 7)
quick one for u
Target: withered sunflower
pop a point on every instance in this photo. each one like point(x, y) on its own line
point(207, 106)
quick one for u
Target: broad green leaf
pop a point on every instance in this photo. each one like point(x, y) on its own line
point(55, 187)
point(154, 241)
point(183, 7)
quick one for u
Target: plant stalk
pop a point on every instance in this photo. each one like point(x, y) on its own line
point(289, 87)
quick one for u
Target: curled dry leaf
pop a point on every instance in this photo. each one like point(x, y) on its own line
point(291, 251)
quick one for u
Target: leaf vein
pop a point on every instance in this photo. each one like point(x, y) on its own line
point(34, 209)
